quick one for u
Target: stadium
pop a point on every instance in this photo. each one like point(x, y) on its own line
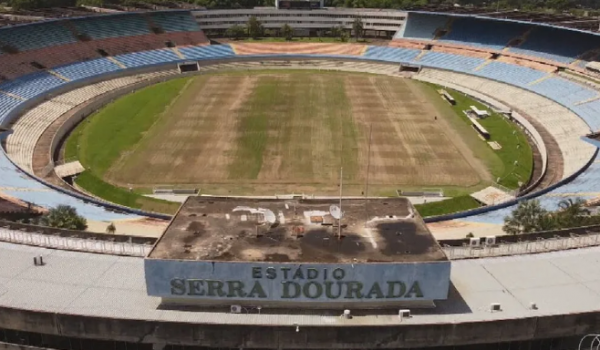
point(306, 194)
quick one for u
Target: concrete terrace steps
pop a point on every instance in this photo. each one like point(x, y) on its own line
point(377, 68)
point(28, 129)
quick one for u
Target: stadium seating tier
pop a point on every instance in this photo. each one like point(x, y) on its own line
point(128, 38)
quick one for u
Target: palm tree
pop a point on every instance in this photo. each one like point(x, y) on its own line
point(64, 216)
point(571, 212)
point(528, 217)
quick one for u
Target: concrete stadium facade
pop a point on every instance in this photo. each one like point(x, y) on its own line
point(83, 296)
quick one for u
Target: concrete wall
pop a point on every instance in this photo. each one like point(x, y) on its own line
point(7, 346)
point(76, 234)
point(298, 284)
point(286, 337)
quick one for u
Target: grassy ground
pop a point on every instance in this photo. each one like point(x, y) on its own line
point(100, 140)
point(268, 132)
point(92, 184)
point(294, 129)
point(452, 205)
point(515, 146)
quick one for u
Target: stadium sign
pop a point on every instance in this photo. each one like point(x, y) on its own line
point(297, 282)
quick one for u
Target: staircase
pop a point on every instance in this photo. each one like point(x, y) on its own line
point(78, 35)
point(154, 28)
point(178, 53)
point(482, 65)
point(423, 53)
point(12, 95)
point(521, 39)
point(117, 62)
point(58, 75)
point(547, 76)
point(440, 32)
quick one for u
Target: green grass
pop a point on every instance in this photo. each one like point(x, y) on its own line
point(452, 205)
point(126, 120)
point(254, 130)
point(114, 194)
point(129, 119)
point(515, 146)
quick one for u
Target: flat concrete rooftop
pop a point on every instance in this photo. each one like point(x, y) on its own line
point(297, 230)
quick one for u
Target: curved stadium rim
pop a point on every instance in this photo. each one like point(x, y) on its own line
point(33, 101)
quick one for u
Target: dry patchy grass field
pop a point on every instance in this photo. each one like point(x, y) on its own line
point(290, 131)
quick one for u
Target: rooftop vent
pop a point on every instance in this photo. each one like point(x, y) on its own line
point(495, 307)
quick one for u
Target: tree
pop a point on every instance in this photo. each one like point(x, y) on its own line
point(111, 229)
point(235, 32)
point(336, 31)
point(528, 217)
point(287, 32)
point(25, 4)
point(64, 216)
point(344, 36)
point(255, 28)
point(571, 212)
point(358, 28)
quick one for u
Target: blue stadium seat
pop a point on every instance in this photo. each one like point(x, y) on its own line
point(450, 61)
point(588, 181)
point(87, 69)
point(423, 26)
point(509, 73)
point(207, 52)
point(147, 58)
point(103, 27)
point(32, 85)
point(30, 37)
point(29, 190)
point(563, 91)
point(391, 54)
point(175, 21)
point(555, 44)
point(483, 32)
point(590, 112)
point(7, 103)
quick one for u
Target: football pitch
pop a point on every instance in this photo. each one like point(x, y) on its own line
point(267, 132)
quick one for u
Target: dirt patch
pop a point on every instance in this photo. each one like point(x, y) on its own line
point(408, 145)
point(266, 132)
point(193, 140)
